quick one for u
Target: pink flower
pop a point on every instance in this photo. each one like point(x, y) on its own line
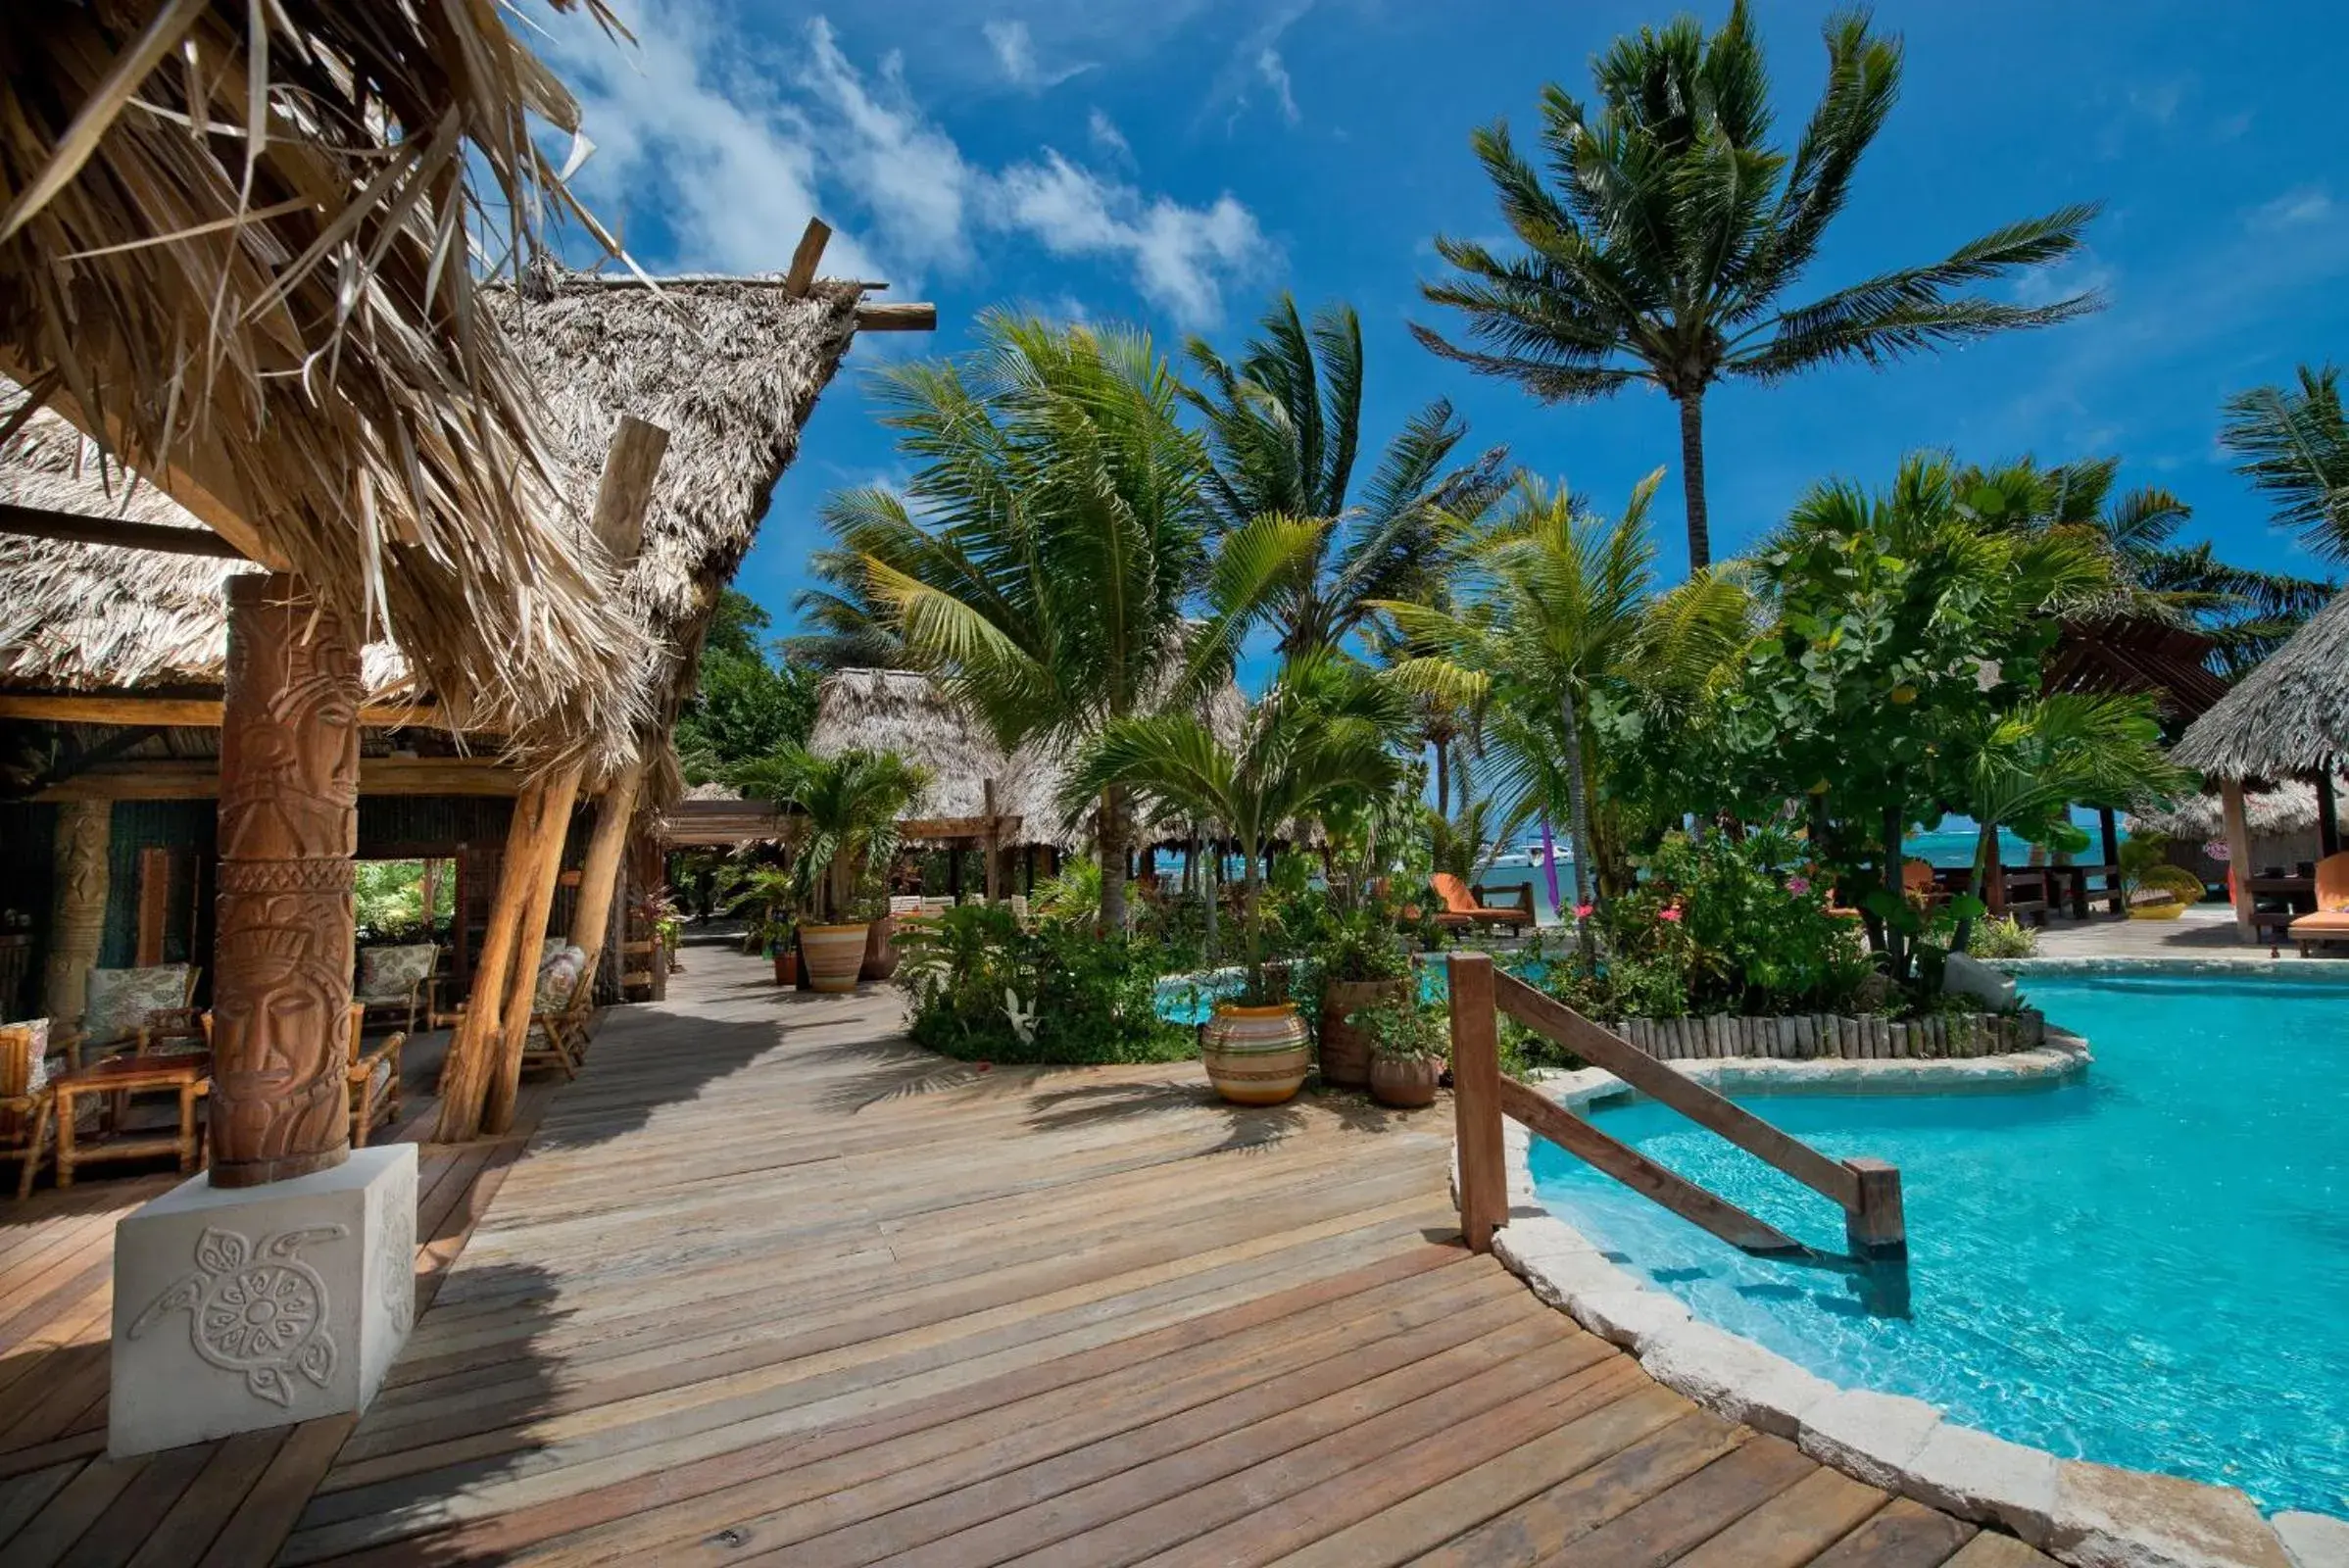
point(1581, 911)
point(1798, 885)
point(1670, 911)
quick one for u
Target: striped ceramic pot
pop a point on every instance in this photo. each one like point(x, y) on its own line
point(1256, 1056)
point(834, 954)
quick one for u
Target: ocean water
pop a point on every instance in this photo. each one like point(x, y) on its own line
point(2148, 1268)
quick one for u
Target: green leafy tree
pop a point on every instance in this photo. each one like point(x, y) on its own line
point(1284, 428)
point(744, 705)
point(1051, 560)
point(849, 806)
point(1662, 248)
point(2292, 443)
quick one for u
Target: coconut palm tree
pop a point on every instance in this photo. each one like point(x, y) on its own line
point(2293, 443)
point(1318, 736)
point(1555, 606)
point(851, 803)
point(1674, 228)
point(1052, 560)
point(1284, 427)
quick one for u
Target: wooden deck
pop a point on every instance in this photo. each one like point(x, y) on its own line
point(772, 1285)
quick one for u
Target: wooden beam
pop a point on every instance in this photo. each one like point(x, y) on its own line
point(630, 464)
point(2238, 856)
point(599, 875)
point(805, 259)
point(153, 904)
point(1475, 1100)
point(904, 316)
point(198, 778)
point(465, 1071)
point(190, 711)
point(555, 802)
point(78, 527)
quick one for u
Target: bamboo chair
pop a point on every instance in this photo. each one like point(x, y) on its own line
point(28, 1103)
point(400, 998)
point(557, 1035)
point(82, 1046)
point(373, 1077)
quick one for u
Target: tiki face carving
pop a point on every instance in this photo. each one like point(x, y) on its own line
point(289, 794)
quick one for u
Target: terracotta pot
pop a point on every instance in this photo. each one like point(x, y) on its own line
point(880, 952)
point(1407, 1083)
point(835, 953)
point(1345, 1047)
point(1256, 1056)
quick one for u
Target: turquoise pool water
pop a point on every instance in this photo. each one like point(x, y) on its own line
point(2150, 1267)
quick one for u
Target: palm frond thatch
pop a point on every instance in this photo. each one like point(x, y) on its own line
point(2288, 718)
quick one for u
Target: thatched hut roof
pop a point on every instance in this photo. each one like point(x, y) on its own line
point(2289, 717)
point(2284, 810)
point(907, 712)
point(276, 317)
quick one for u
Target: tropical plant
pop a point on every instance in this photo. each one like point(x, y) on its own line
point(2292, 444)
point(1284, 427)
point(1318, 736)
point(744, 704)
point(769, 895)
point(1555, 608)
point(1406, 1029)
point(1674, 228)
point(982, 988)
point(1050, 560)
point(2002, 936)
point(848, 807)
point(2145, 867)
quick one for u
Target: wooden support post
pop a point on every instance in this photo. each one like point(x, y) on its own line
point(1876, 1228)
point(288, 829)
point(1475, 1101)
point(153, 904)
point(2238, 856)
point(76, 906)
point(599, 876)
point(987, 845)
point(465, 1071)
point(505, 1078)
point(806, 257)
point(2110, 829)
point(2329, 820)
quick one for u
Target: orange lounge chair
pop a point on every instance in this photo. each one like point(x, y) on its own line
point(1460, 906)
point(2330, 922)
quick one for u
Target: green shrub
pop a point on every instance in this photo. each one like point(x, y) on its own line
point(2002, 936)
point(1079, 996)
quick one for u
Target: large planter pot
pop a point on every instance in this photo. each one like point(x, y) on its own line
point(787, 966)
point(1345, 1047)
point(1407, 1083)
point(835, 953)
point(1256, 1056)
point(880, 952)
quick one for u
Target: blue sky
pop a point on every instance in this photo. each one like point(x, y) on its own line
point(1176, 163)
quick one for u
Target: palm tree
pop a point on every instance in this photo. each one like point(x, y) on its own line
point(1317, 736)
point(851, 803)
point(1674, 228)
point(2293, 443)
point(1050, 560)
point(1284, 427)
point(1555, 606)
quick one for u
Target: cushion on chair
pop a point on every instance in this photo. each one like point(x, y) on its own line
point(380, 1075)
point(23, 1057)
point(389, 974)
point(558, 975)
point(2329, 923)
point(118, 1001)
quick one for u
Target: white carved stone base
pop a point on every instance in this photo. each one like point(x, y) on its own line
point(260, 1306)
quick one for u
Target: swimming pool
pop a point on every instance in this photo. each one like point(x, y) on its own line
point(2146, 1267)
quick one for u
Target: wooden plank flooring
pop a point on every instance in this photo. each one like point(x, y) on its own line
point(772, 1286)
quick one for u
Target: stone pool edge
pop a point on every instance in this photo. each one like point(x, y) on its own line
point(2089, 1515)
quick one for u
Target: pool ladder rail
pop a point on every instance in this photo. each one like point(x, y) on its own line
point(1867, 1189)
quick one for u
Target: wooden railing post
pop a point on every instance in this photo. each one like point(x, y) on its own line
point(1475, 1100)
point(1876, 1228)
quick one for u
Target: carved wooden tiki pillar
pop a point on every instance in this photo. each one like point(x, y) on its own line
point(77, 911)
point(289, 824)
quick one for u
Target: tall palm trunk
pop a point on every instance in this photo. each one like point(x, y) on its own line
point(1577, 819)
point(1700, 532)
point(1113, 855)
point(1443, 777)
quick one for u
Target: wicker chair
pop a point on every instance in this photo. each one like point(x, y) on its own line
point(27, 1102)
point(374, 1078)
point(557, 1035)
point(393, 981)
point(131, 1009)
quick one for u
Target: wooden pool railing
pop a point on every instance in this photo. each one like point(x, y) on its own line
point(1867, 1189)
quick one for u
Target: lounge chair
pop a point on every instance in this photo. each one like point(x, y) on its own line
point(2330, 922)
point(1461, 909)
point(119, 1010)
point(393, 980)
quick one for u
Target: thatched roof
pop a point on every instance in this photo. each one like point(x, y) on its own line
point(276, 317)
point(2288, 718)
point(908, 712)
point(83, 618)
point(730, 367)
point(2287, 808)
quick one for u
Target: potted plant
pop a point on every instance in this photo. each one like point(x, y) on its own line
point(880, 929)
point(2145, 869)
point(1316, 737)
point(848, 807)
point(1407, 1053)
point(766, 894)
point(1363, 966)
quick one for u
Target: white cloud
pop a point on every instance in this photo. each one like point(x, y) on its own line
point(1015, 51)
point(1107, 139)
point(732, 148)
point(1276, 77)
point(2294, 209)
point(2044, 285)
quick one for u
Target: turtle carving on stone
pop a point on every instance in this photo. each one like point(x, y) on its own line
point(255, 1309)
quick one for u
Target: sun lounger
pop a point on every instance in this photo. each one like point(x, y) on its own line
point(2330, 922)
point(1461, 909)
